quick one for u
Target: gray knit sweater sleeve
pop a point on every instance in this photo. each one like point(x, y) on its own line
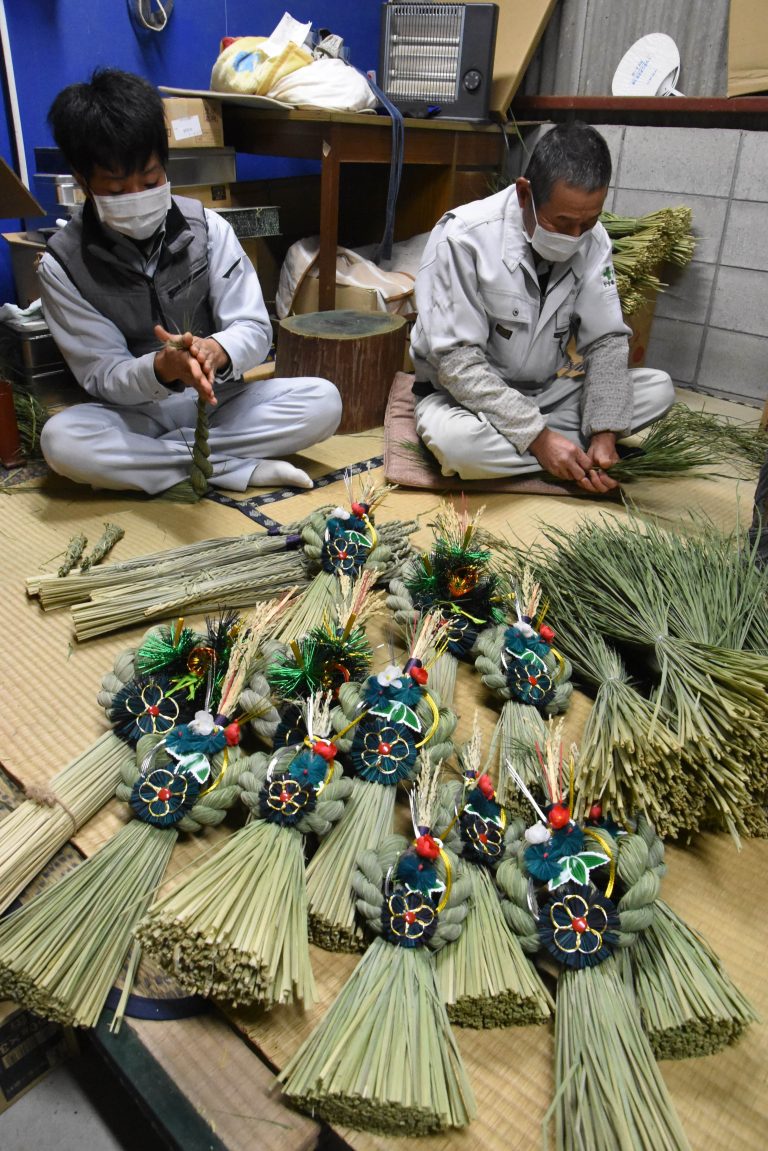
point(607, 397)
point(467, 377)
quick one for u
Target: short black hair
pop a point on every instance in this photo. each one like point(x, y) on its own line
point(113, 121)
point(575, 153)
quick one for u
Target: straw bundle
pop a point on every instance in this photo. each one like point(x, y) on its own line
point(484, 977)
point(381, 725)
point(641, 588)
point(236, 928)
point(384, 1058)
point(641, 244)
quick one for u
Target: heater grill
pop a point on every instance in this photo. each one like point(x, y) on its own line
point(437, 59)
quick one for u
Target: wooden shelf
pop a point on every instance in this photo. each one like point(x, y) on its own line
point(664, 111)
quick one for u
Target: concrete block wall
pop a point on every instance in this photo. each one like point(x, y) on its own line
point(710, 330)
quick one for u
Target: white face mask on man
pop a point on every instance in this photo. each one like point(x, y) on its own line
point(137, 215)
point(556, 247)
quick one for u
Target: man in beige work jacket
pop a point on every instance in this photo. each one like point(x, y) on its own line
point(505, 286)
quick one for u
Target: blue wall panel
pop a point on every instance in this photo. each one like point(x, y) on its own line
point(60, 42)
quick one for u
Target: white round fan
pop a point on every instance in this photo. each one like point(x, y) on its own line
point(649, 68)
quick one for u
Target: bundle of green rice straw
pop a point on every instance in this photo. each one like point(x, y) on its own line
point(381, 724)
point(641, 245)
point(384, 1058)
point(640, 588)
point(236, 927)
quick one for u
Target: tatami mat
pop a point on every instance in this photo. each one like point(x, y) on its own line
point(48, 684)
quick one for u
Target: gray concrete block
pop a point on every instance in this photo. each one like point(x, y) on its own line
point(735, 365)
point(752, 174)
point(746, 236)
point(740, 302)
point(696, 160)
point(674, 348)
point(708, 215)
point(687, 292)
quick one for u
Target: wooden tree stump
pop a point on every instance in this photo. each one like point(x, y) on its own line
point(360, 352)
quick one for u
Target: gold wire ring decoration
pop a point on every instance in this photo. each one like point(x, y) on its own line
point(435, 719)
point(592, 834)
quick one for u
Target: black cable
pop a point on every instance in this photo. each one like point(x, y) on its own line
point(384, 250)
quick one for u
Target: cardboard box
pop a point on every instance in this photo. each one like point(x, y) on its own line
point(209, 195)
point(747, 47)
point(15, 200)
point(640, 322)
point(193, 122)
point(29, 1048)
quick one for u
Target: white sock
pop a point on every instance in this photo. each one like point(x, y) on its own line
point(278, 473)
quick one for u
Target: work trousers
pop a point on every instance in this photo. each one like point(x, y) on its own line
point(758, 533)
point(467, 445)
point(149, 447)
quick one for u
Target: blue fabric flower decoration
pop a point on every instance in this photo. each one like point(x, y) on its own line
point(579, 926)
point(543, 859)
point(408, 918)
point(163, 797)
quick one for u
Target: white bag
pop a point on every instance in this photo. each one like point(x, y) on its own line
point(326, 83)
point(394, 290)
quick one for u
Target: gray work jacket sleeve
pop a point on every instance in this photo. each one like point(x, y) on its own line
point(607, 399)
point(467, 377)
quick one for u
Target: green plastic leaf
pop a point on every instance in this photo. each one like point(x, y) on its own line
point(592, 859)
point(358, 538)
point(579, 870)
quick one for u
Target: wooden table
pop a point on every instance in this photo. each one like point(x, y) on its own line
point(449, 148)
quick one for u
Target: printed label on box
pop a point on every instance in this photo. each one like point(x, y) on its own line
point(186, 128)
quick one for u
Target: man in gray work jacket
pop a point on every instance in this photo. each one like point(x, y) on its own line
point(504, 285)
point(153, 303)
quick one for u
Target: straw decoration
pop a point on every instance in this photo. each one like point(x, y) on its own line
point(381, 725)
point(384, 1058)
point(236, 928)
point(111, 535)
point(484, 977)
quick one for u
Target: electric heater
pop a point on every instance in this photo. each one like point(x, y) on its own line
point(437, 59)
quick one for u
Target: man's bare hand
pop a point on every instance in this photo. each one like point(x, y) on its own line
point(194, 360)
point(567, 461)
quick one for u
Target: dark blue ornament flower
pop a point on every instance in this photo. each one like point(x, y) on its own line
point(579, 926)
point(286, 800)
point(408, 918)
point(163, 797)
point(144, 707)
point(382, 752)
point(483, 839)
point(346, 547)
point(529, 679)
point(184, 741)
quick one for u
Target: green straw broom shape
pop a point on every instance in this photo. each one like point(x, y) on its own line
point(384, 1057)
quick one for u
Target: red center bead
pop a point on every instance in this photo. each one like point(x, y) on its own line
point(284, 796)
point(385, 748)
point(579, 924)
point(164, 794)
point(559, 816)
point(532, 679)
point(483, 837)
point(410, 917)
point(153, 710)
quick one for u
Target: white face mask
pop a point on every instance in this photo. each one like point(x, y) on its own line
point(554, 246)
point(136, 214)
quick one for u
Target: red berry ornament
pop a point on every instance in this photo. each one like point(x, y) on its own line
point(485, 786)
point(324, 749)
point(579, 924)
point(232, 734)
point(427, 847)
point(559, 816)
point(595, 812)
point(419, 675)
point(546, 633)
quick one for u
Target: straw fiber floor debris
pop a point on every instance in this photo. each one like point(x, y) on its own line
point(48, 683)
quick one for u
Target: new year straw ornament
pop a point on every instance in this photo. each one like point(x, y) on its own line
point(237, 571)
point(384, 1057)
point(381, 724)
point(61, 953)
point(455, 579)
point(521, 667)
point(585, 894)
point(136, 698)
point(345, 543)
point(236, 928)
point(484, 977)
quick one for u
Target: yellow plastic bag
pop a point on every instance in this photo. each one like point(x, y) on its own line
point(242, 67)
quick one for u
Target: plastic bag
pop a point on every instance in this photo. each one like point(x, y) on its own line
point(325, 83)
point(394, 290)
point(242, 67)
